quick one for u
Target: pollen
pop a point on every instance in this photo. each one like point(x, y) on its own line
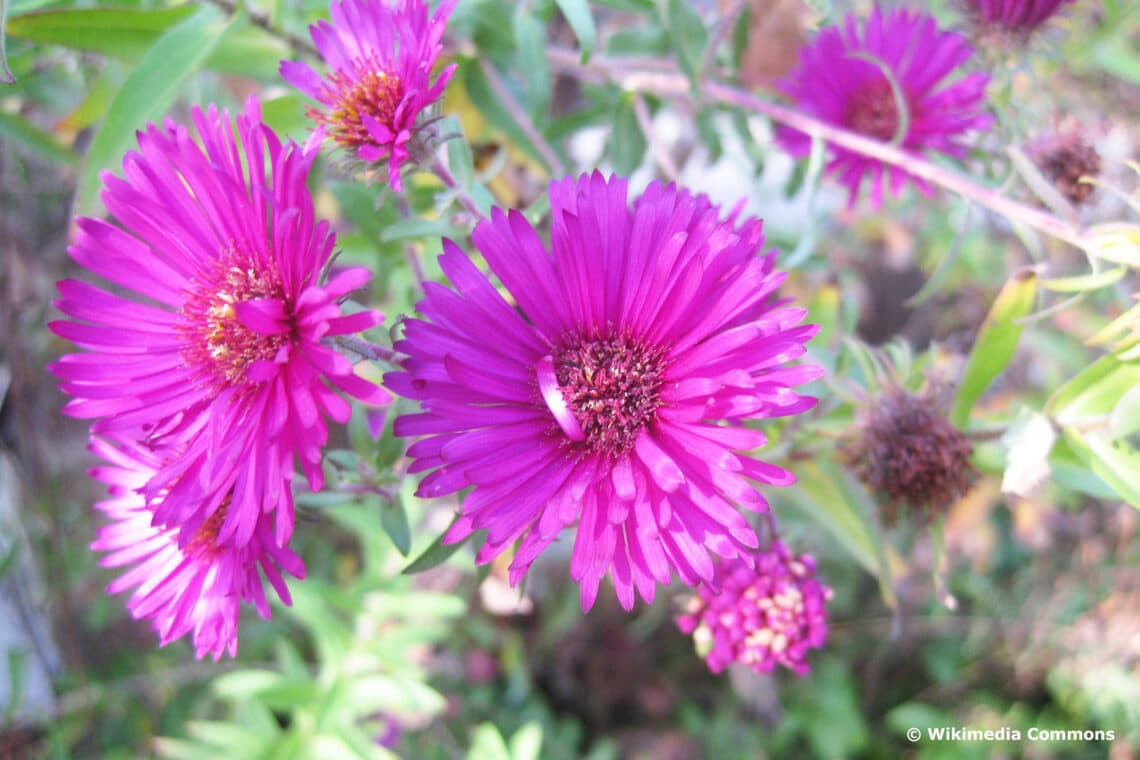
point(364, 88)
point(204, 543)
point(612, 385)
point(217, 343)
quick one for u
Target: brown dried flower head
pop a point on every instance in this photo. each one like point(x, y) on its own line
point(909, 452)
point(1064, 158)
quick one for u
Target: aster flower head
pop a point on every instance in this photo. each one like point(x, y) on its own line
point(769, 612)
point(214, 342)
point(841, 78)
point(194, 586)
point(380, 55)
point(612, 391)
point(1014, 16)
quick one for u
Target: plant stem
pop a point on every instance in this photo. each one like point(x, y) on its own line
point(519, 114)
point(263, 22)
point(674, 84)
point(447, 178)
point(366, 349)
point(411, 252)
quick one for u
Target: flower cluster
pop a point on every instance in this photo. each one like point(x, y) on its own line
point(768, 612)
point(610, 394)
point(208, 371)
point(888, 78)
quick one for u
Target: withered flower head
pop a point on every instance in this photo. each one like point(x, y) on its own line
point(1064, 158)
point(907, 451)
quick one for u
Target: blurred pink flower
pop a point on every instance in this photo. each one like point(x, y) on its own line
point(839, 80)
point(1016, 15)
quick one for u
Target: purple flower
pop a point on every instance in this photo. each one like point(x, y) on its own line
point(1015, 15)
point(380, 54)
point(215, 344)
point(840, 80)
point(610, 391)
point(767, 613)
point(196, 586)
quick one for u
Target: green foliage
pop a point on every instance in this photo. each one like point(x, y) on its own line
point(148, 92)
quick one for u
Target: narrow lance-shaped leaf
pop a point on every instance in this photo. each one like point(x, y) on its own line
point(122, 33)
point(6, 75)
point(18, 129)
point(148, 93)
point(577, 13)
point(996, 342)
point(1117, 464)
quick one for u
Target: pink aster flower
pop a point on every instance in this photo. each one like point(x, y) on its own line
point(380, 54)
point(1021, 16)
point(767, 613)
point(196, 586)
point(216, 341)
point(835, 82)
point(611, 391)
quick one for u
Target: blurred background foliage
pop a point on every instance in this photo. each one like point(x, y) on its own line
point(1018, 607)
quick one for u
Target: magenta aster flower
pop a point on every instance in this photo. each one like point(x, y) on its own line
point(380, 54)
point(835, 82)
point(217, 340)
point(611, 390)
point(767, 613)
point(193, 587)
point(1015, 15)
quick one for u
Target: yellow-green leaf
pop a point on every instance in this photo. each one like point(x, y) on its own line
point(148, 92)
point(996, 342)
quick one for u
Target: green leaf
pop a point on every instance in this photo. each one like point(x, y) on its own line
point(249, 51)
point(407, 229)
point(526, 744)
point(820, 492)
point(17, 672)
point(21, 131)
point(1085, 282)
point(996, 342)
point(577, 13)
point(6, 76)
point(394, 519)
point(487, 744)
point(460, 160)
point(119, 33)
point(1117, 464)
point(642, 40)
point(530, 38)
point(148, 93)
point(627, 142)
point(689, 35)
point(242, 684)
point(434, 555)
point(1094, 392)
point(99, 96)
point(1069, 464)
point(492, 108)
point(1123, 421)
point(9, 560)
